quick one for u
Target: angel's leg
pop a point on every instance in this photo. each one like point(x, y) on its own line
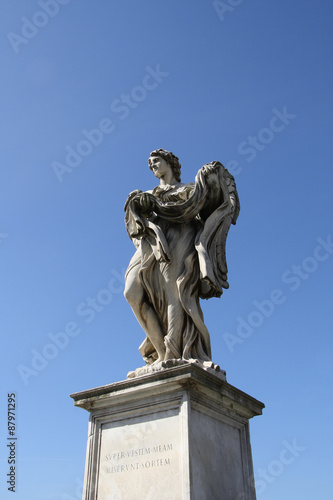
point(144, 312)
point(173, 339)
point(176, 317)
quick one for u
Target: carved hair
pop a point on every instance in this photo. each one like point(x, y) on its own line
point(170, 158)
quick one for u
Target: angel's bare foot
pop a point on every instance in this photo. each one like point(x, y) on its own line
point(168, 354)
point(158, 360)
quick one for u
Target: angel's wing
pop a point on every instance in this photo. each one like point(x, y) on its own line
point(211, 240)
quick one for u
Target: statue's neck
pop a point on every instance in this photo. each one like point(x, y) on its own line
point(168, 179)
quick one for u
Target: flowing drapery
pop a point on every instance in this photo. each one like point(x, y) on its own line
point(180, 256)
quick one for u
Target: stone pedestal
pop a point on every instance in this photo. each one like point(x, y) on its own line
point(177, 434)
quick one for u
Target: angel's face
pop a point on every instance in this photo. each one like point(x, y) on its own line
point(159, 166)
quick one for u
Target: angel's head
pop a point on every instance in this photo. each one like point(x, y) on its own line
point(167, 157)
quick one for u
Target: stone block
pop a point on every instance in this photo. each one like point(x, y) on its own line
point(180, 434)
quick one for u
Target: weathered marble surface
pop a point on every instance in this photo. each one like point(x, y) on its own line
point(172, 363)
point(180, 232)
point(181, 433)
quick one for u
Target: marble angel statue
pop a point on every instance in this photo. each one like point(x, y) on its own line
point(180, 232)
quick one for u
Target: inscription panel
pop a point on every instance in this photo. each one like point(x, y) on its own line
point(140, 459)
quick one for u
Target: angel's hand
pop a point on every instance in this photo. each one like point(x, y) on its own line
point(146, 204)
point(209, 169)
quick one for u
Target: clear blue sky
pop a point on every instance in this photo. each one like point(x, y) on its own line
point(250, 87)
